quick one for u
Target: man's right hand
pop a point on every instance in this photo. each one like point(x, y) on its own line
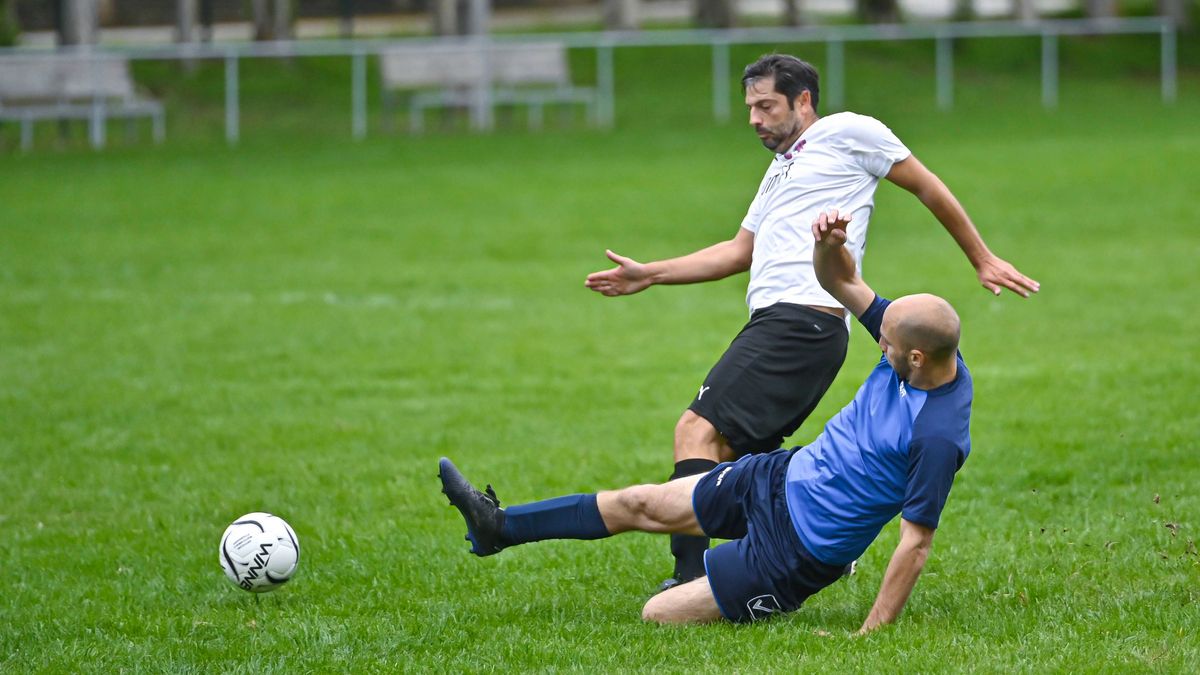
point(830, 227)
point(627, 278)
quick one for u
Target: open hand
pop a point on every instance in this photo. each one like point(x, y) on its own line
point(997, 273)
point(627, 278)
point(830, 227)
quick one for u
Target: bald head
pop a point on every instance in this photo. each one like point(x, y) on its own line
point(927, 323)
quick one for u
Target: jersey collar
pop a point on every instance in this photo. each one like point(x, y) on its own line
point(791, 154)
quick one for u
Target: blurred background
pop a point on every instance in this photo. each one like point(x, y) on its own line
point(199, 69)
point(89, 21)
point(281, 255)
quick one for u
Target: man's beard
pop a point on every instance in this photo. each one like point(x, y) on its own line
point(776, 140)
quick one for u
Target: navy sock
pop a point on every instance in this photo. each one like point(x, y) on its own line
point(689, 549)
point(570, 517)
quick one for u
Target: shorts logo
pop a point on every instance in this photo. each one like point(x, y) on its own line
point(702, 390)
point(721, 476)
point(763, 606)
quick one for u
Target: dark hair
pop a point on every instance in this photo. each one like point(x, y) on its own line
point(792, 76)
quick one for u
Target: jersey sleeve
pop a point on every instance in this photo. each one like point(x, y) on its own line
point(874, 147)
point(932, 463)
point(872, 319)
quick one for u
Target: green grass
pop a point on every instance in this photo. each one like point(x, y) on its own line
point(304, 325)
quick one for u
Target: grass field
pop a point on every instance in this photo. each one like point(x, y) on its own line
point(191, 332)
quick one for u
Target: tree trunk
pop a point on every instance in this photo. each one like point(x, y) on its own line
point(346, 19)
point(621, 14)
point(185, 20)
point(715, 13)
point(283, 20)
point(272, 19)
point(106, 11)
point(261, 19)
point(479, 17)
point(1025, 11)
point(964, 10)
point(878, 11)
point(793, 12)
point(451, 17)
point(206, 20)
point(1177, 10)
point(78, 22)
point(1101, 9)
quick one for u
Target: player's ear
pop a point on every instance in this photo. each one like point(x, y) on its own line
point(916, 358)
point(804, 98)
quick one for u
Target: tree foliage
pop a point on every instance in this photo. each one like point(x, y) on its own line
point(9, 27)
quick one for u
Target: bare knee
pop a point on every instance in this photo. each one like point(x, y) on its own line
point(692, 602)
point(637, 504)
point(657, 611)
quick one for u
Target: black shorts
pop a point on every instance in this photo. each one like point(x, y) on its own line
point(772, 375)
point(765, 570)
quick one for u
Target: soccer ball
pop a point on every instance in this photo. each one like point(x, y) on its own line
point(259, 552)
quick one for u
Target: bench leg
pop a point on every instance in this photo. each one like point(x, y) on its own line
point(96, 127)
point(159, 127)
point(416, 118)
point(535, 115)
point(389, 110)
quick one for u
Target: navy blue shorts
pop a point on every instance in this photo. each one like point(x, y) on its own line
point(765, 570)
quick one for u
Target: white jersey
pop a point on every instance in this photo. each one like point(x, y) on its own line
point(836, 164)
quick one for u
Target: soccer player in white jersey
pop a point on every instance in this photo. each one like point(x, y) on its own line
point(795, 518)
point(779, 366)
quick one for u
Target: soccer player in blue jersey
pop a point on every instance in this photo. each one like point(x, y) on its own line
point(796, 518)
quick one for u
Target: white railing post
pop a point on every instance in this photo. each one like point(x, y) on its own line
point(945, 72)
point(231, 97)
point(97, 121)
point(1049, 70)
point(1169, 76)
point(720, 74)
point(358, 95)
point(604, 83)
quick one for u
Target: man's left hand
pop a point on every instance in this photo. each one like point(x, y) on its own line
point(997, 273)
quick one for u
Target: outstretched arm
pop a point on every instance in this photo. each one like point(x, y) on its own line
point(993, 272)
point(708, 264)
point(834, 265)
point(907, 562)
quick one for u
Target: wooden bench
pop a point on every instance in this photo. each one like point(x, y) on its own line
point(449, 76)
point(34, 88)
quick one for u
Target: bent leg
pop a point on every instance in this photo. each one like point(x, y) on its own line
point(697, 438)
point(651, 508)
point(692, 602)
point(698, 449)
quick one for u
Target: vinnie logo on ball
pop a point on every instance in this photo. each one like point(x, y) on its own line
point(259, 562)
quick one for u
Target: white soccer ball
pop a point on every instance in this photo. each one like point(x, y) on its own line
point(259, 552)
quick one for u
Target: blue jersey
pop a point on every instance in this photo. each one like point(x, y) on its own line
point(893, 449)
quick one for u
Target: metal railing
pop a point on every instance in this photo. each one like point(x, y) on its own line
point(834, 39)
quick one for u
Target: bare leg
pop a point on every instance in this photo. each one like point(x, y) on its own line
point(651, 508)
point(692, 602)
point(696, 438)
point(698, 449)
